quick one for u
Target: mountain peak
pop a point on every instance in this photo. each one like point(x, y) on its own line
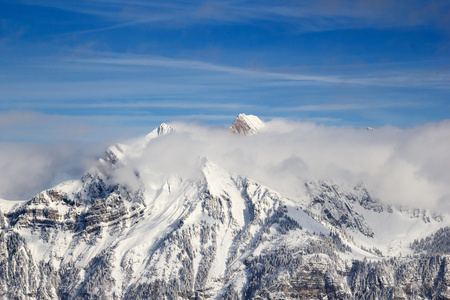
point(162, 129)
point(246, 125)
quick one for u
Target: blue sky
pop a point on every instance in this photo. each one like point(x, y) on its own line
point(82, 70)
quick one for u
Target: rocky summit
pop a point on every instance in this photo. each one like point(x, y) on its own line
point(246, 125)
point(127, 231)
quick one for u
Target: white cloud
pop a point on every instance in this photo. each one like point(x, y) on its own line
point(28, 168)
point(304, 15)
point(402, 78)
point(401, 166)
point(38, 151)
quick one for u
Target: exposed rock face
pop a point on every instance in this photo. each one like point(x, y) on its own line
point(419, 278)
point(246, 125)
point(336, 207)
point(217, 257)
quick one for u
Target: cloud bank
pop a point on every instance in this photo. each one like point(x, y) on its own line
point(28, 168)
point(401, 166)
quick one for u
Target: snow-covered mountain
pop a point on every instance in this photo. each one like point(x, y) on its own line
point(124, 232)
point(246, 125)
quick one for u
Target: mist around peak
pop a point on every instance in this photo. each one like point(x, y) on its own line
point(401, 166)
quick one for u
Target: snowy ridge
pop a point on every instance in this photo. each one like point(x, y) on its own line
point(212, 236)
point(162, 129)
point(116, 152)
point(7, 205)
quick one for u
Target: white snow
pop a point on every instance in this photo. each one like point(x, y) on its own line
point(170, 199)
point(162, 129)
point(395, 231)
point(306, 221)
point(7, 205)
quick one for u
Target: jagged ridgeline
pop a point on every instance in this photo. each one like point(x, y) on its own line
point(218, 235)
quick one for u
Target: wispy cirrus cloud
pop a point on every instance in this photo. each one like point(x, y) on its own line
point(302, 59)
point(235, 106)
point(346, 106)
point(398, 78)
point(97, 83)
point(206, 66)
point(133, 107)
point(306, 15)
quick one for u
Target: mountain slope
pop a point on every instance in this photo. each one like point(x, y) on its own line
point(212, 235)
